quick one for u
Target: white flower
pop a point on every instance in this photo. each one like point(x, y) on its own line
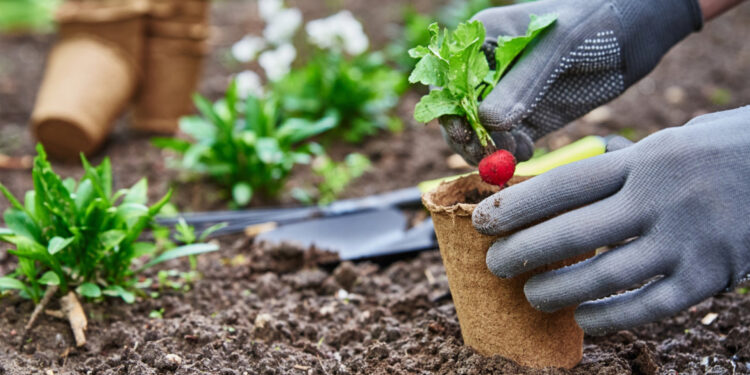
point(282, 26)
point(278, 62)
point(269, 8)
point(248, 48)
point(249, 83)
point(339, 31)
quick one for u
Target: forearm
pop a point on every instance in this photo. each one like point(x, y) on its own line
point(713, 8)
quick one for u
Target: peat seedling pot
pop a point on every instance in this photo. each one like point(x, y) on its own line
point(175, 48)
point(493, 313)
point(91, 75)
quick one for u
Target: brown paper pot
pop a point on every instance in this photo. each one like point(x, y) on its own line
point(173, 67)
point(175, 29)
point(91, 75)
point(493, 313)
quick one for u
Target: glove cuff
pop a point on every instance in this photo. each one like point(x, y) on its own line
point(652, 28)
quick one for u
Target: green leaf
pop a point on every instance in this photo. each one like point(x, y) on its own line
point(207, 109)
point(131, 213)
point(269, 151)
point(118, 291)
point(138, 193)
point(84, 195)
point(297, 129)
point(242, 193)
point(70, 184)
point(21, 224)
point(49, 278)
point(210, 230)
point(143, 248)
point(437, 103)
point(174, 144)
point(11, 283)
point(112, 238)
point(181, 251)
point(58, 244)
point(89, 290)
point(5, 232)
point(430, 70)
point(196, 127)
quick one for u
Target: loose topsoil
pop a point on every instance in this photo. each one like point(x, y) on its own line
point(279, 311)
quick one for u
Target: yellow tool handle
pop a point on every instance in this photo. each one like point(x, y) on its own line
point(581, 149)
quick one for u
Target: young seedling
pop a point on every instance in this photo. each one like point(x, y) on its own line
point(244, 145)
point(455, 64)
point(81, 238)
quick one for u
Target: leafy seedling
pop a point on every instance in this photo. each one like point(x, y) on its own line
point(361, 91)
point(81, 236)
point(245, 145)
point(455, 63)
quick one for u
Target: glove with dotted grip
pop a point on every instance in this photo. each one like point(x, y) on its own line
point(594, 51)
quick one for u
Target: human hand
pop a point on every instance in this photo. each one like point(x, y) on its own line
point(682, 193)
point(593, 53)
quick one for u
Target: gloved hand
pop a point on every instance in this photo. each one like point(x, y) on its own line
point(682, 193)
point(595, 50)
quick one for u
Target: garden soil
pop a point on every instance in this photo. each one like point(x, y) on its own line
point(279, 311)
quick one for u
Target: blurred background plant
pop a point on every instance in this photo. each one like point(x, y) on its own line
point(245, 144)
point(342, 75)
point(332, 178)
point(414, 29)
point(28, 15)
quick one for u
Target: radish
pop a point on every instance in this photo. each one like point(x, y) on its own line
point(498, 168)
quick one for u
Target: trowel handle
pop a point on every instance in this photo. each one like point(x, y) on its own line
point(581, 149)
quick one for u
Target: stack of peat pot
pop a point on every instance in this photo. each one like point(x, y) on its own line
point(92, 74)
point(111, 53)
point(176, 33)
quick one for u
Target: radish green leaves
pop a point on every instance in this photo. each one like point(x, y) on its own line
point(455, 62)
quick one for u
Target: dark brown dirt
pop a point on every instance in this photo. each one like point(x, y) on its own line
point(475, 196)
point(276, 312)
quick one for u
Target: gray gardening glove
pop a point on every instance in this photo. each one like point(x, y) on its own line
point(595, 50)
point(682, 193)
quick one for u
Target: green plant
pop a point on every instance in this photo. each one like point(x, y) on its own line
point(246, 145)
point(156, 314)
point(455, 62)
point(414, 31)
point(333, 177)
point(27, 15)
point(82, 235)
point(361, 91)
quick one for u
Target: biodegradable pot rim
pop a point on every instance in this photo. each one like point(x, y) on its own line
point(100, 11)
point(187, 9)
point(446, 197)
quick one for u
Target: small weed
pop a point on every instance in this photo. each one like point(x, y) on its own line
point(156, 314)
